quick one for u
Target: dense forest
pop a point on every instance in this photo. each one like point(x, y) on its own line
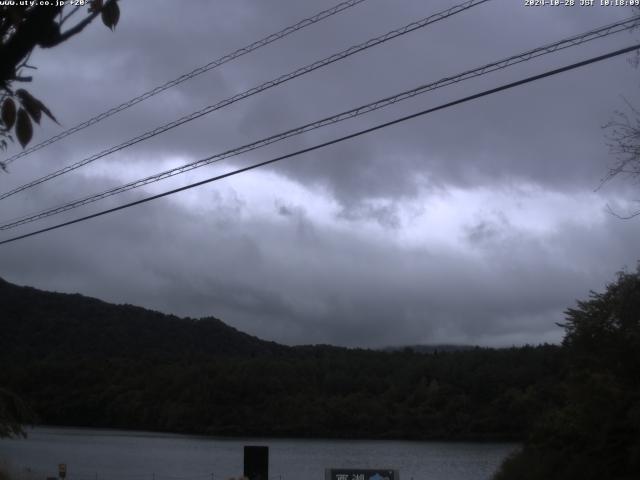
point(575, 407)
point(594, 433)
point(79, 361)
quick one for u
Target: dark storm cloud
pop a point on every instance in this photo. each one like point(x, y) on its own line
point(544, 133)
point(287, 272)
point(291, 281)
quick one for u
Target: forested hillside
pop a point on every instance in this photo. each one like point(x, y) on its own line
point(594, 433)
point(38, 324)
point(79, 361)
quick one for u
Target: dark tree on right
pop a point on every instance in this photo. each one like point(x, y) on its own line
point(595, 433)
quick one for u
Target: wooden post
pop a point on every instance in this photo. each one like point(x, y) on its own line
point(256, 463)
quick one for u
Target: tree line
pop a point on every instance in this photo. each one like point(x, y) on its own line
point(82, 362)
point(575, 407)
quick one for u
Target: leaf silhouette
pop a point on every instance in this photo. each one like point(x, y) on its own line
point(31, 104)
point(24, 129)
point(48, 113)
point(8, 113)
point(110, 14)
point(34, 107)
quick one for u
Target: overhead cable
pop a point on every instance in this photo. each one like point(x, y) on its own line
point(252, 91)
point(187, 76)
point(354, 112)
point(331, 142)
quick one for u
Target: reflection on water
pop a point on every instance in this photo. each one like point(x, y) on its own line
point(124, 455)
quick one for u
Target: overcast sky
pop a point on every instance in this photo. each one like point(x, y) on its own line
point(479, 224)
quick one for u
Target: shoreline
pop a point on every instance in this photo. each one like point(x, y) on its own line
point(117, 431)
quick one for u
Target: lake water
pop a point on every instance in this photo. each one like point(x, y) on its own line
point(124, 455)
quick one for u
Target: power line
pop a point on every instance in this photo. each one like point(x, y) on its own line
point(187, 76)
point(334, 141)
point(355, 112)
point(247, 93)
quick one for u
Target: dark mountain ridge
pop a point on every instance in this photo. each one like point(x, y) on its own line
point(36, 323)
point(79, 361)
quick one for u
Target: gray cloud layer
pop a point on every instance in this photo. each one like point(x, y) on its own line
point(314, 249)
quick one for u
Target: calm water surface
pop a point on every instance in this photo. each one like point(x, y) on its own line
point(124, 455)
